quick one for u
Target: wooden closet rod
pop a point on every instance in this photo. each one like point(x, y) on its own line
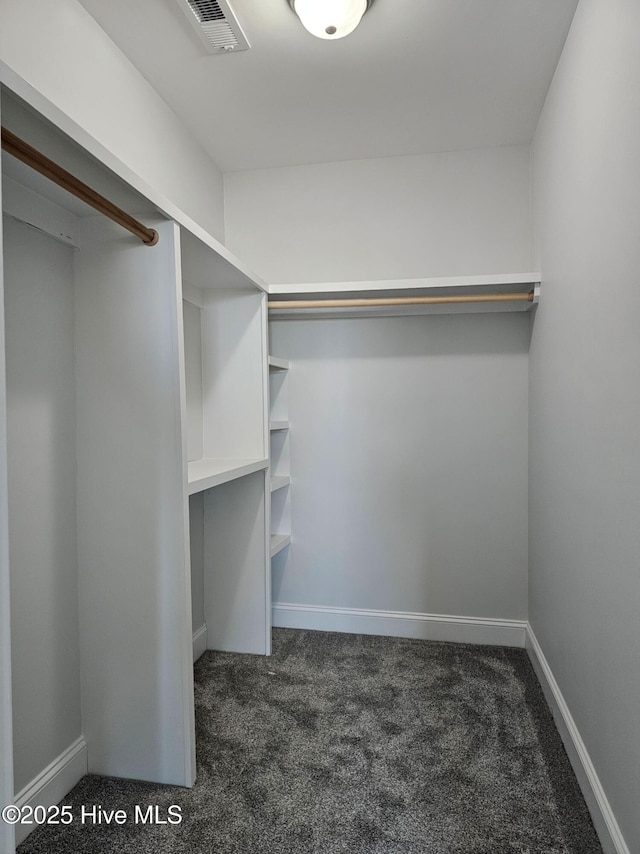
point(18, 148)
point(369, 302)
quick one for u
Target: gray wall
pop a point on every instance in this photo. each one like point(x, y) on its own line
point(585, 394)
point(42, 498)
point(409, 464)
point(457, 213)
point(408, 435)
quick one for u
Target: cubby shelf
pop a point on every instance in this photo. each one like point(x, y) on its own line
point(279, 542)
point(279, 482)
point(193, 321)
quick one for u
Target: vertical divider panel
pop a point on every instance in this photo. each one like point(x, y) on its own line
point(7, 836)
point(192, 337)
point(236, 565)
point(233, 374)
point(236, 514)
point(191, 375)
point(135, 605)
point(264, 311)
point(182, 421)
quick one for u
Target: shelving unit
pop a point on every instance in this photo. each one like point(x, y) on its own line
point(227, 449)
point(137, 444)
point(280, 480)
point(96, 483)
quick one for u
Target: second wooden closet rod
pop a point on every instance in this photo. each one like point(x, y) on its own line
point(372, 302)
point(18, 148)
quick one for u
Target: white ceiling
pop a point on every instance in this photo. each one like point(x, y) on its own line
point(417, 76)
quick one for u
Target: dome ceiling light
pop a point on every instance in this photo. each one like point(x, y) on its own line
point(330, 19)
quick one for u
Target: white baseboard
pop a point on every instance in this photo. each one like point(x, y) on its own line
point(53, 783)
point(199, 642)
point(403, 624)
point(601, 813)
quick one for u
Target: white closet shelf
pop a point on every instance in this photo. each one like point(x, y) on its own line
point(276, 364)
point(205, 473)
point(279, 542)
point(457, 282)
point(503, 292)
point(279, 425)
point(279, 482)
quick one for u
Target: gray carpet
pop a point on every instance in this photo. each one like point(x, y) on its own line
point(351, 743)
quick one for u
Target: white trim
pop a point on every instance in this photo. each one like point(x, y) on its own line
point(603, 818)
point(199, 642)
point(404, 624)
point(53, 783)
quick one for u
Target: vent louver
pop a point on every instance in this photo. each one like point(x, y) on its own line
point(206, 10)
point(216, 24)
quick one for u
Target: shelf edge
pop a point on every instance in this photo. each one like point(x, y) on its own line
point(279, 482)
point(279, 542)
point(277, 364)
point(225, 476)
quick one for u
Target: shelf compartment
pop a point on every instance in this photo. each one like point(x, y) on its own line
point(279, 482)
point(279, 542)
point(206, 473)
point(276, 364)
point(279, 425)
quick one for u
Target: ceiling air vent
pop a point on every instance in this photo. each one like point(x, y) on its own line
point(216, 24)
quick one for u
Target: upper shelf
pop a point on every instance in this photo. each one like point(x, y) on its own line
point(205, 473)
point(207, 263)
point(450, 295)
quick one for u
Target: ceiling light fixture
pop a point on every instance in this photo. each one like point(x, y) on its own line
point(330, 19)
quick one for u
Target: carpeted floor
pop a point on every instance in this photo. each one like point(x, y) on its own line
point(355, 744)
